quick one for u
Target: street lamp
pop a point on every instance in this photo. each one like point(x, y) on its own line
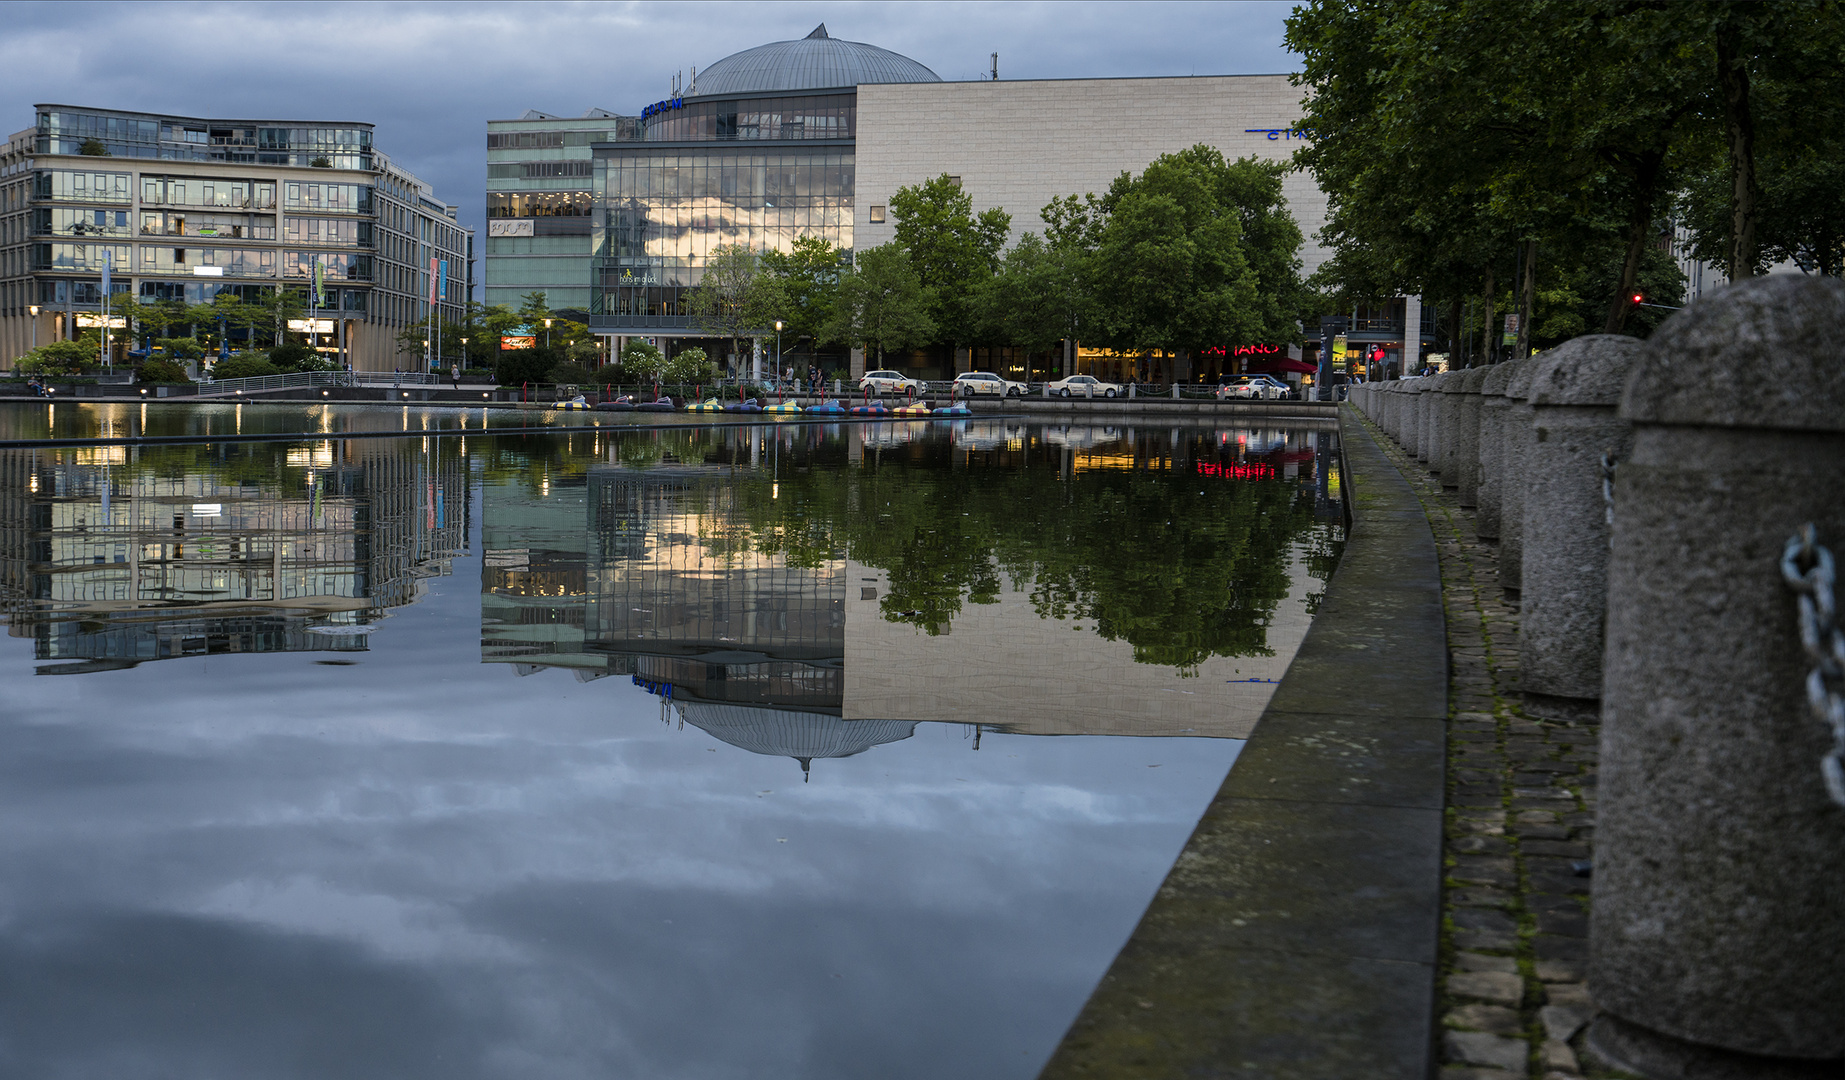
point(547, 333)
point(778, 348)
point(33, 308)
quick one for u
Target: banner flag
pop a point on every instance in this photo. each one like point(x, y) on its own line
point(432, 281)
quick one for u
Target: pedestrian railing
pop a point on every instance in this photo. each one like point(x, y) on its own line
point(263, 383)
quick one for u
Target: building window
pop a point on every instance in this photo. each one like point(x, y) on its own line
point(877, 215)
point(954, 181)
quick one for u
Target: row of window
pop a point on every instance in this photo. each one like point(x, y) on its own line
point(622, 129)
point(539, 170)
point(532, 204)
point(694, 236)
point(84, 125)
point(790, 179)
point(235, 262)
point(829, 116)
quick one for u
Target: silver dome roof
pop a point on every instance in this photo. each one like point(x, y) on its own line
point(815, 62)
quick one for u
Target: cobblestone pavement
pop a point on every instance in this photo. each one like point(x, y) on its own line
point(1520, 822)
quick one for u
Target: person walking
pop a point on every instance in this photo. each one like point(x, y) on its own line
point(454, 375)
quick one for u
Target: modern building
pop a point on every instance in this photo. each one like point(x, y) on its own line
point(539, 205)
point(111, 556)
point(183, 208)
point(813, 137)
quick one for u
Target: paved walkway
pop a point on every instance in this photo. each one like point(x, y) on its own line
point(1520, 819)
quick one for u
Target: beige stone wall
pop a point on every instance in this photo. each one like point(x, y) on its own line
point(1015, 145)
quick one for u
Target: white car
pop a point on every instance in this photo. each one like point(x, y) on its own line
point(1084, 386)
point(890, 382)
point(1261, 387)
point(969, 383)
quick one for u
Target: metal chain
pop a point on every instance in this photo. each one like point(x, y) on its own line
point(1824, 643)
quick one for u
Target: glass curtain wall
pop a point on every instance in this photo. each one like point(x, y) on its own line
point(664, 211)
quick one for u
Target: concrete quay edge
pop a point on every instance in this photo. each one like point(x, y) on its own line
point(1297, 933)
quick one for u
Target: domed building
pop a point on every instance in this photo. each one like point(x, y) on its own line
point(757, 151)
point(813, 136)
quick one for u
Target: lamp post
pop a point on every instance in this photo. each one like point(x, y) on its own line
point(33, 308)
point(547, 333)
point(778, 348)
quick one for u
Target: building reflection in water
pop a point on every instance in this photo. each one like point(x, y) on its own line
point(673, 575)
point(111, 556)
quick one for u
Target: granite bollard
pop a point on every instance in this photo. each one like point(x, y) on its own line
point(1514, 442)
point(1430, 455)
point(1467, 437)
point(1493, 406)
point(1412, 429)
point(1453, 390)
point(1719, 890)
point(1575, 392)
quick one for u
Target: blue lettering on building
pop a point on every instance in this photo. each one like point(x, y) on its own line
point(663, 106)
point(1280, 133)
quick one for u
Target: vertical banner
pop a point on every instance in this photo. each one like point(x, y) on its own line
point(108, 263)
point(442, 281)
point(432, 281)
point(320, 284)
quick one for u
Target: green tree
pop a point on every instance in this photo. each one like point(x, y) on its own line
point(58, 358)
point(807, 277)
point(1171, 255)
point(1041, 295)
point(641, 362)
point(691, 366)
point(733, 299)
point(952, 250)
point(882, 304)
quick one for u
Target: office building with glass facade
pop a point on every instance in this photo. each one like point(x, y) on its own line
point(182, 208)
point(814, 136)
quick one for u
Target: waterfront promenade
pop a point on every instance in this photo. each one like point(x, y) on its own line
point(1383, 885)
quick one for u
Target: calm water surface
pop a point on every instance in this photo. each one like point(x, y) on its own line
point(701, 753)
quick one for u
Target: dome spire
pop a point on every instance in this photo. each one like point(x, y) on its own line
point(819, 32)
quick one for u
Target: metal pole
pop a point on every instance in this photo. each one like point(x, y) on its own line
point(33, 308)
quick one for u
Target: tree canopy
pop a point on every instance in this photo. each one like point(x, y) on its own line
point(882, 304)
point(952, 250)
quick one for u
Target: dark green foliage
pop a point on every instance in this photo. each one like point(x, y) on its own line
point(569, 371)
point(161, 371)
point(244, 366)
point(882, 304)
point(294, 357)
point(951, 250)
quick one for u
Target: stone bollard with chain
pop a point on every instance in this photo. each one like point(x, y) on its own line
point(1564, 599)
point(1718, 925)
point(1514, 444)
point(1467, 437)
point(1493, 406)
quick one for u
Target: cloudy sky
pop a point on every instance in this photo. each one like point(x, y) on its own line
point(430, 75)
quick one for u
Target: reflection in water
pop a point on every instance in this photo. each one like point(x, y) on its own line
point(243, 861)
point(112, 556)
point(1041, 580)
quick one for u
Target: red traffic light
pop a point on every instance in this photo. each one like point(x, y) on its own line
point(1639, 298)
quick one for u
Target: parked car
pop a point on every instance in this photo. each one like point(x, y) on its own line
point(969, 383)
point(1258, 387)
point(1085, 386)
point(890, 382)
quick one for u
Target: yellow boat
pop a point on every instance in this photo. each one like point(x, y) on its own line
point(707, 405)
point(915, 408)
point(784, 407)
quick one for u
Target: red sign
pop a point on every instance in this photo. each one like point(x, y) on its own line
point(518, 341)
point(1241, 350)
point(1254, 470)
